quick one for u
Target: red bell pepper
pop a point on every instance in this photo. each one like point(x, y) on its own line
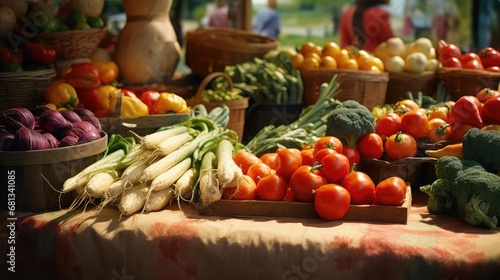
point(467, 110)
point(491, 111)
point(128, 93)
point(90, 100)
point(38, 53)
point(8, 56)
point(149, 98)
point(83, 76)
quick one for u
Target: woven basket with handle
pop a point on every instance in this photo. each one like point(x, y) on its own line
point(211, 49)
point(368, 88)
point(459, 82)
point(237, 107)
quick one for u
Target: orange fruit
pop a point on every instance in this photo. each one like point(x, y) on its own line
point(307, 48)
point(310, 63)
point(350, 64)
point(331, 47)
point(379, 63)
point(297, 60)
point(364, 60)
point(328, 62)
point(342, 57)
point(313, 54)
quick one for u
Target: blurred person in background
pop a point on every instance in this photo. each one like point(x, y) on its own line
point(365, 25)
point(267, 22)
point(218, 17)
point(445, 22)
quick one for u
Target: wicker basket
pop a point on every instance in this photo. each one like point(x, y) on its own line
point(237, 107)
point(368, 88)
point(211, 49)
point(401, 83)
point(417, 171)
point(459, 82)
point(37, 177)
point(24, 89)
point(74, 43)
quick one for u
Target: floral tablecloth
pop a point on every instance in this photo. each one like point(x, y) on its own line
point(181, 244)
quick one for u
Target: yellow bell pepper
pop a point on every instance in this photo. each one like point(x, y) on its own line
point(61, 94)
point(491, 127)
point(108, 72)
point(170, 103)
point(105, 94)
point(131, 107)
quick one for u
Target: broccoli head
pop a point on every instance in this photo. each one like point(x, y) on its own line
point(447, 167)
point(349, 122)
point(477, 192)
point(483, 146)
point(441, 200)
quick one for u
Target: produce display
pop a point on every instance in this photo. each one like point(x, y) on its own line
point(317, 160)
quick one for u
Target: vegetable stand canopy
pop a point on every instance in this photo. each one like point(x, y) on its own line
point(182, 244)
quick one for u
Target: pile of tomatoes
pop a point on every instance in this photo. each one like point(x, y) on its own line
point(322, 174)
point(331, 56)
point(487, 58)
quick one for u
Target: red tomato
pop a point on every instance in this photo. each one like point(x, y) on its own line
point(332, 201)
point(415, 123)
point(489, 57)
point(466, 57)
point(287, 161)
point(245, 190)
point(304, 181)
point(449, 51)
point(438, 130)
point(360, 186)
point(473, 64)
point(490, 111)
point(371, 145)
point(269, 159)
point(400, 145)
point(289, 195)
point(322, 153)
point(388, 124)
point(328, 142)
point(335, 167)
point(352, 154)
point(452, 62)
point(493, 69)
point(259, 170)
point(245, 159)
point(128, 93)
point(307, 156)
point(391, 191)
point(272, 187)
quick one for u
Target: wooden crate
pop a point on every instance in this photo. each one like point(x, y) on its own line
point(141, 125)
point(260, 208)
point(32, 180)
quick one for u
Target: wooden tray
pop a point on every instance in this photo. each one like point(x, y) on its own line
point(257, 208)
point(141, 125)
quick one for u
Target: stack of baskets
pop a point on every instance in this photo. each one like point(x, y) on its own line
point(401, 83)
point(237, 107)
point(24, 89)
point(368, 88)
point(459, 82)
point(211, 49)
